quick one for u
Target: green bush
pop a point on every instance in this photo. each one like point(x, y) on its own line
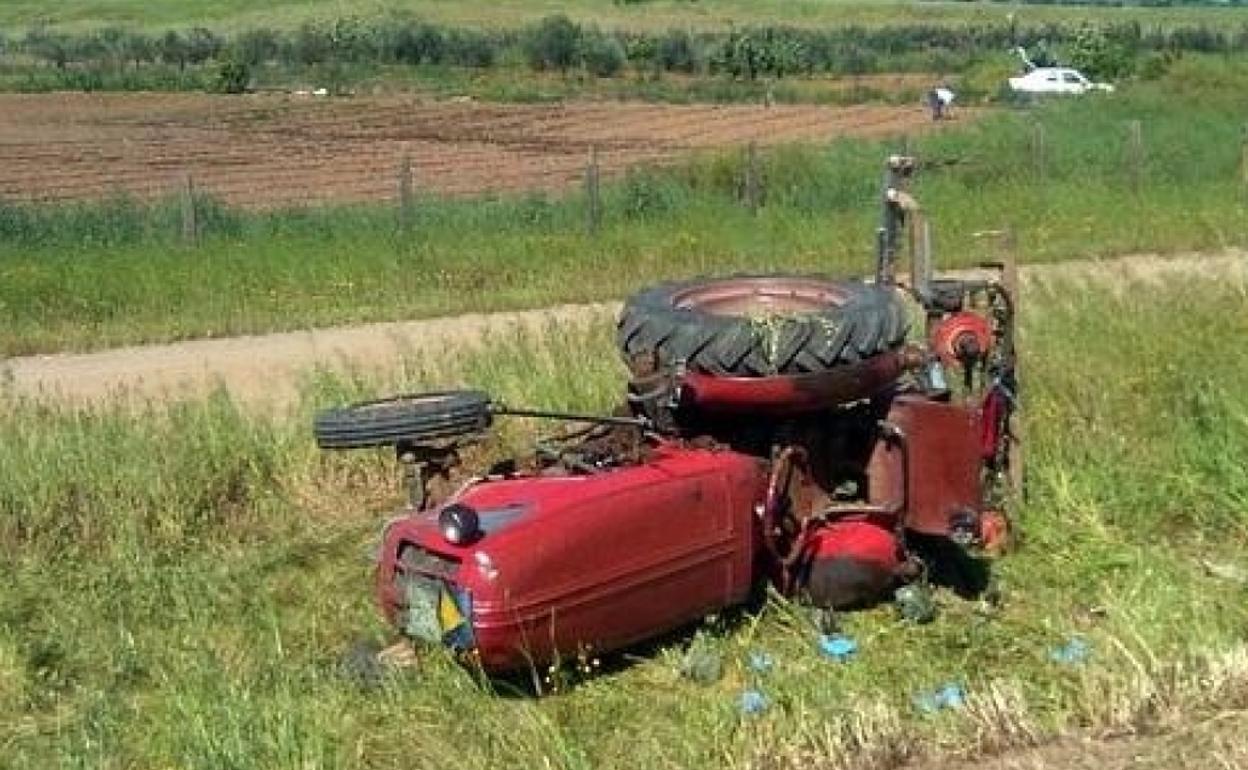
point(645, 193)
point(254, 46)
point(309, 45)
point(553, 44)
point(1154, 66)
point(171, 49)
point(468, 48)
point(677, 52)
point(233, 77)
point(202, 45)
point(1099, 56)
point(417, 44)
point(603, 55)
point(52, 47)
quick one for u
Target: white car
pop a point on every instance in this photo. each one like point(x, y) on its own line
point(1055, 80)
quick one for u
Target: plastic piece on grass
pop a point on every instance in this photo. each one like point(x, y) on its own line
point(952, 696)
point(948, 696)
point(915, 604)
point(702, 665)
point(1073, 653)
point(760, 661)
point(753, 702)
point(838, 647)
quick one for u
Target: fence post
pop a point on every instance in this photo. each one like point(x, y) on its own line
point(1038, 161)
point(1243, 161)
point(407, 204)
point(186, 200)
point(1135, 153)
point(593, 193)
point(753, 185)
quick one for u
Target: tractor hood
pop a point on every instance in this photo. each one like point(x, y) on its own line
point(599, 559)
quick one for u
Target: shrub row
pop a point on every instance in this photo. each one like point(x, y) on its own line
point(557, 43)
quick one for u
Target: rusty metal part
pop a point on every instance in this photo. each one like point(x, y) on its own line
point(788, 466)
point(943, 473)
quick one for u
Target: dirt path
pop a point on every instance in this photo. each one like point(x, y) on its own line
point(268, 368)
point(1215, 743)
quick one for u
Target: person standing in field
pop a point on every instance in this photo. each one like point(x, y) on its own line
point(940, 102)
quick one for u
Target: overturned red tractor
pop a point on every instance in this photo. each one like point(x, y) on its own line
point(782, 430)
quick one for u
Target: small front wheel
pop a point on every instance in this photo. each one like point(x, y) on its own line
point(413, 418)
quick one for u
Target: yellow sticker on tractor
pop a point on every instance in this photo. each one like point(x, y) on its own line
point(449, 616)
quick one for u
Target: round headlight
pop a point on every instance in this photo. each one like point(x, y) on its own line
point(459, 524)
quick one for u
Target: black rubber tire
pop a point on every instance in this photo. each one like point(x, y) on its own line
point(857, 320)
point(416, 418)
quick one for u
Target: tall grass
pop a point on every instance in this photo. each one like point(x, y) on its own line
point(87, 276)
point(181, 582)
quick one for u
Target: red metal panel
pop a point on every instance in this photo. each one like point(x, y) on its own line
point(943, 442)
point(785, 394)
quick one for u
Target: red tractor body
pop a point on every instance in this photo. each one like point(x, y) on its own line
point(812, 451)
point(566, 563)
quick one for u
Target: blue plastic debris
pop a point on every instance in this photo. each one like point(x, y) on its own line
point(948, 696)
point(1073, 653)
point(760, 661)
point(838, 647)
point(951, 696)
point(753, 702)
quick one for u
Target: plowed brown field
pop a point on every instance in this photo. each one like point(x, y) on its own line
point(271, 150)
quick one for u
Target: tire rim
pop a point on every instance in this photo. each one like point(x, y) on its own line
point(779, 296)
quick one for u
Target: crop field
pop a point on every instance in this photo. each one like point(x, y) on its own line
point(182, 582)
point(91, 275)
point(273, 151)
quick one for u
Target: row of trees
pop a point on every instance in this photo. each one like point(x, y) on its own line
point(557, 43)
point(344, 40)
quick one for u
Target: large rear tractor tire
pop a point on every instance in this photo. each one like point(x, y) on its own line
point(761, 325)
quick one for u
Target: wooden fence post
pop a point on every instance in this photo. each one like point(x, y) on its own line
point(753, 184)
point(1243, 161)
point(593, 193)
point(1039, 163)
point(190, 220)
point(407, 203)
point(1135, 154)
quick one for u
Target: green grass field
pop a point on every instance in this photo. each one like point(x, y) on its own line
point(95, 276)
point(657, 14)
point(181, 582)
